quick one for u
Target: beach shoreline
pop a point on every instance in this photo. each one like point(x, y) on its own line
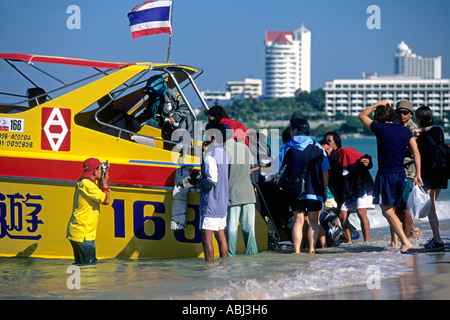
point(334, 273)
point(440, 280)
point(428, 280)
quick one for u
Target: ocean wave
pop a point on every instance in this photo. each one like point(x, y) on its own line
point(318, 276)
point(377, 220)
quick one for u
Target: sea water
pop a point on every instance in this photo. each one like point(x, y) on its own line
point(364, 270)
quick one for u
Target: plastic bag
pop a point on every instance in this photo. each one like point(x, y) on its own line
point(419, 203)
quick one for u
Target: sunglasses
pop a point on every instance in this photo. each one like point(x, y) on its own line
point(403, 112)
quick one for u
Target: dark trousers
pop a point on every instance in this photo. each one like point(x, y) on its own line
point(84, 252)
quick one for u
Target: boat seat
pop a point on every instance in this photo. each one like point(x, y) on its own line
point(144, 141)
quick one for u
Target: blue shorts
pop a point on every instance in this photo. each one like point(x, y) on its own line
point(390, 188)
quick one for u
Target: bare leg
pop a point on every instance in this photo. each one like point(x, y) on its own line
point(396, 226)
point(432, 215)
point(297, 230)
point(222, 241)
point(343, 217)
point(406, 220)
point(394, 237)
point(365, 224)
point(208, 247)
point(322, 243)
point(313, 231)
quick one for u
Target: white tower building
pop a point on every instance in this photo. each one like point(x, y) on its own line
point(288, 62)
point(411, 65)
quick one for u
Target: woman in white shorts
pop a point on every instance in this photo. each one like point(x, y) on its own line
point(360, 206)
point(357, 187)
point(213, 224)
point(214, 194)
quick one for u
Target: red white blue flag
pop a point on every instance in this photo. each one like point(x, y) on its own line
point(149, 18)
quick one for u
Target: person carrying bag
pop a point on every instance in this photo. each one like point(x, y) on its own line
point(303, 180)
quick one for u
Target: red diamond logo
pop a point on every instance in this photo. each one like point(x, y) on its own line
point(55, 129)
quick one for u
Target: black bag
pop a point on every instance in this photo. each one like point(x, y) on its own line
point(294, 187)
point(441, 156)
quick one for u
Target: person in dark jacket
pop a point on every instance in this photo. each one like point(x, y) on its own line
point(294, 157)
point(335, 180)
point(356, 191)
point(433, 179)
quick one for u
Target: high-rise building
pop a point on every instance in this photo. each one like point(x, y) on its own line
point(411, 65)
point(288, 62)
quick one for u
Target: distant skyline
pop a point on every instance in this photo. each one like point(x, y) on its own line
point(226, 38)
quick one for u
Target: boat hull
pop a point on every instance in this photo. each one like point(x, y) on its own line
point(136, 224)
point(45, 139)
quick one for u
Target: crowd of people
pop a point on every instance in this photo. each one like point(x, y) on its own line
point(309, 177)
point(311, 174)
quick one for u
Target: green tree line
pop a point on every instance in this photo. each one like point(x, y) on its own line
point(307, 105)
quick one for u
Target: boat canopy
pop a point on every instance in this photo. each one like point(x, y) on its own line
point(29, 58)
point(175, 74)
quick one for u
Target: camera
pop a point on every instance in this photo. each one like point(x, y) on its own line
point(105, 166)
point(175, 125)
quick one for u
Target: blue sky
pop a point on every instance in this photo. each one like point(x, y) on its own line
point(226, 38)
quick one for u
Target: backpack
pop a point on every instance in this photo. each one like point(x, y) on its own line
point(293, 187)
point(441, 156)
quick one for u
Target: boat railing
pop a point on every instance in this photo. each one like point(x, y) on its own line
point(114, 95)
point(274, 233)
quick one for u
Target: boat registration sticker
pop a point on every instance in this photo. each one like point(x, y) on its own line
point(12, 124)
point(55, 129)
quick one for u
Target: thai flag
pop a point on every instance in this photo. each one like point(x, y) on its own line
point(149, 18)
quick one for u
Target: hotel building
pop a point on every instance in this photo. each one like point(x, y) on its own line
point(249, 88)
point(288, 62)
point(350, 97)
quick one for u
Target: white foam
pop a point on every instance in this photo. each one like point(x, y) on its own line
point(319, 275)
point(377, 220)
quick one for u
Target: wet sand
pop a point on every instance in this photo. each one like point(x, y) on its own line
point(429, 280)
point(277, 275)
point(440, 280)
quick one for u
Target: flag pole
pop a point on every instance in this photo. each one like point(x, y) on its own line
point(169, 49)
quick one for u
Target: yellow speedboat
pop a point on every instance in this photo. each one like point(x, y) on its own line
point(46, 136)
